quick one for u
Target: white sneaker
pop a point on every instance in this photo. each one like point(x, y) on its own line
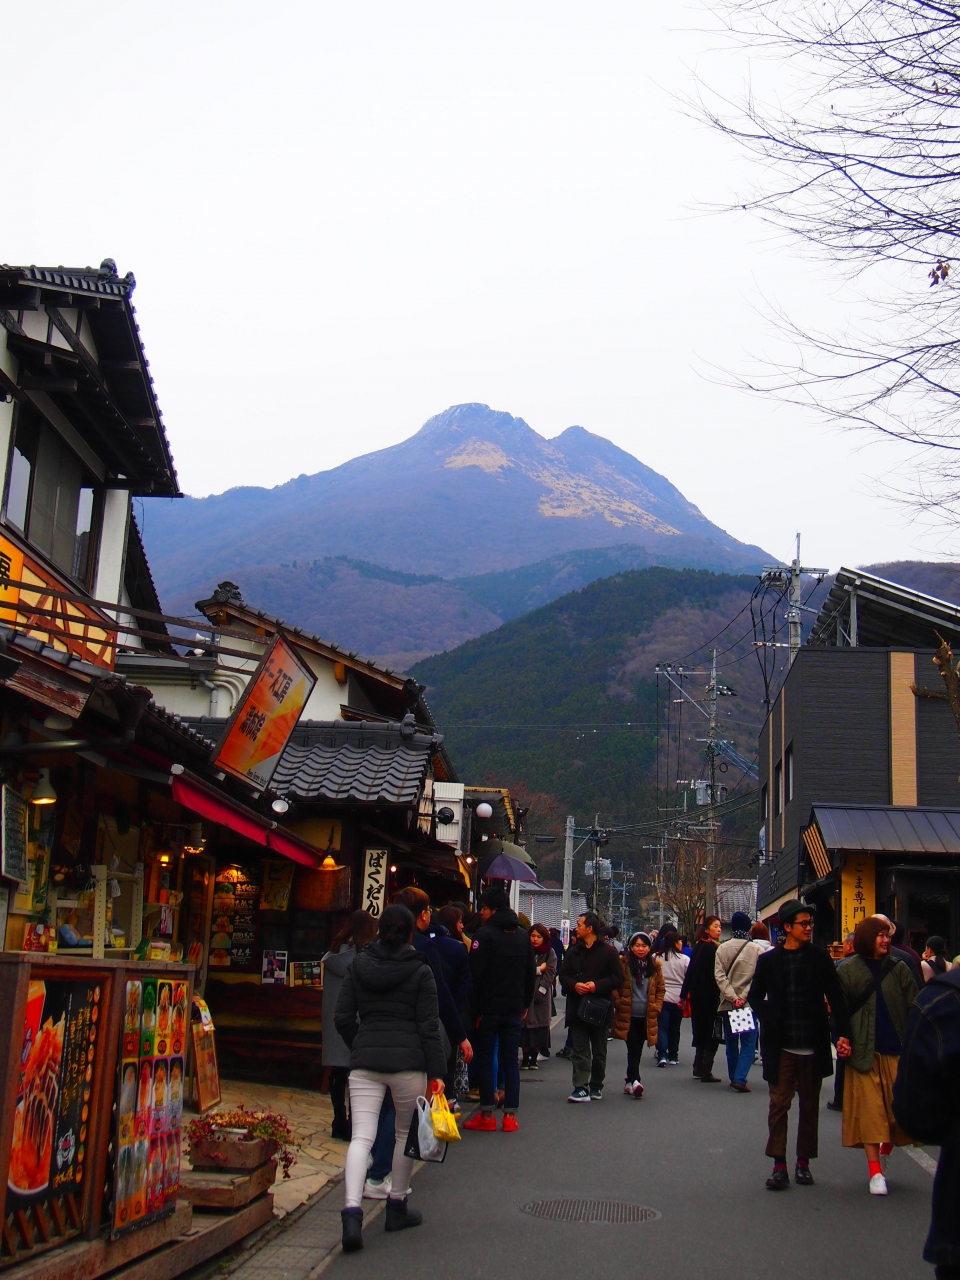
point(628, 1088)
point(377, 1190)
point(637, 1089)
point(878, 1185)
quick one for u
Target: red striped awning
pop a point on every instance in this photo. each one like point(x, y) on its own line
point(205, 801)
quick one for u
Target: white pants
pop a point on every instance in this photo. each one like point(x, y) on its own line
point(367, 1091)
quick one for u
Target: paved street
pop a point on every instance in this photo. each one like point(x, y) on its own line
point(692, 1152)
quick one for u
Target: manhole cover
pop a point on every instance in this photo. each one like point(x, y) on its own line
point(612, 1211)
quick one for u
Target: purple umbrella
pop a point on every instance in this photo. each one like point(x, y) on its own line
point(503, 867)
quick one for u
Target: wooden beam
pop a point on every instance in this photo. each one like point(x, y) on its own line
point(63, 385)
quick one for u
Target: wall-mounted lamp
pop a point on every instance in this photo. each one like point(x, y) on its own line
point(280, 805)
point(43, 792)
point(164, 859)
point(469, 861)
point(393, 870)
point(484, 810)
point(330, 864)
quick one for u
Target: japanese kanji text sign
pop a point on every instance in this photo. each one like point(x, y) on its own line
point(858, 891)
point(375, 866)
point(265, 716)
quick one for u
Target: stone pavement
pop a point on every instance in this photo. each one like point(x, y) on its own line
point(320, 1158)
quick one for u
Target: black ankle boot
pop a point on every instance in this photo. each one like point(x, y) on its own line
point(352, 1238)
point(400, 1216)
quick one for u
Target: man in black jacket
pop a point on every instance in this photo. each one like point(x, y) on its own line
point(789, 993)
point(503, 973)
point(926, 1103)
point(591, 967)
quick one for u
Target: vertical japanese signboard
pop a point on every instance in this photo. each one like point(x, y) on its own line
point(858, 890)
point(375, 866)
point(52, 1121)
point(265, 716)
point(150, 1101)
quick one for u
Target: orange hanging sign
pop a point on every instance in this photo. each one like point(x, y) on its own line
point(265, 716)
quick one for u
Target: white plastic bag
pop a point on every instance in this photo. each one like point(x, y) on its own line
point(422, 1142)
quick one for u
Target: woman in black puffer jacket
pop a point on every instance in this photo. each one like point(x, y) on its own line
point(387, 1014)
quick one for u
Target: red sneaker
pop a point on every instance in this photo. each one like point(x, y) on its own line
point(510, 1123)
point(482, 1123)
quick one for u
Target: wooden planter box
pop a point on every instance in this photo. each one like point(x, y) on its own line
point(225, 1154)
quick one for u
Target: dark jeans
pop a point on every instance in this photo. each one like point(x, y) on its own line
point(501, 1035)
point(798, 1074)
point(589, 1055)
point(385, 1140)
point(636, 1039)
point(669, 1022)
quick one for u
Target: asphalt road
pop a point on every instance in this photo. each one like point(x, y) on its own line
point(692, 1152)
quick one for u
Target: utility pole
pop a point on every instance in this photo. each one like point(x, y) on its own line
point(595, 837)
point(710, 871)
point(567, 883)
point(794, 574)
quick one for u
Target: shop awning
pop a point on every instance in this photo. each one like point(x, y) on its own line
point(207, 803)
point(888, 828)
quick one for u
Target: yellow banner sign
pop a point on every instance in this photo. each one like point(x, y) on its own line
point(858, 890)
point(265, 717)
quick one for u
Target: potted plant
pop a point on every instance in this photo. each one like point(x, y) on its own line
point(240, 1140)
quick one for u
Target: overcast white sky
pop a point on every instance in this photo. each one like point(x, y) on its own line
point(344, 217)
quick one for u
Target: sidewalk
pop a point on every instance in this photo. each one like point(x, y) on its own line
point(320, 1158)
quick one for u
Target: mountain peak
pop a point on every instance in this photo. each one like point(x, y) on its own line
point(464, 420)
point(475, 490)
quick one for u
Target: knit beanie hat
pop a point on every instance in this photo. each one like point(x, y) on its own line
point(740, 923)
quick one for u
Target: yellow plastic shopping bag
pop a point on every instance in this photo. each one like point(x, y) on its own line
point(444, 1121)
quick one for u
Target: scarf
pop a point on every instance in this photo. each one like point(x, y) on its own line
point(743, 934)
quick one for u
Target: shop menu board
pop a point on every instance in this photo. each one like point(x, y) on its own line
point(52, 1119)
point(233, 934)
point(306, 973)
point(150, 1102)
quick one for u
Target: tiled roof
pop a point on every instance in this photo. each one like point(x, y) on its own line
point(356, 762)
point(103, 282)
point(545, 906)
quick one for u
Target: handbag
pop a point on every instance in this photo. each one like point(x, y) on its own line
point(718, 1029)
point(422, 1142)
point(742, 1020)
point(593, 1010)
point(443, 1120)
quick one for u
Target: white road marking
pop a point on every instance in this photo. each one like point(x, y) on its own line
point(922, 1159)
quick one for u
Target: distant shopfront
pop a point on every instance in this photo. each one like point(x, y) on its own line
point(901, 861)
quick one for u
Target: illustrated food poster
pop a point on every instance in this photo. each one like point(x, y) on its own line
point(52, 1120)
point(233, 934)
point(150, 1102)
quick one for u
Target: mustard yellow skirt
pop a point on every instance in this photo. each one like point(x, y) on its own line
point(868, 1104)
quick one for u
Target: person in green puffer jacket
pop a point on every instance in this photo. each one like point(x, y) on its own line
point(879, 991)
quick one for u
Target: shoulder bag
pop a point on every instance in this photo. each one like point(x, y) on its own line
point(593, 1010)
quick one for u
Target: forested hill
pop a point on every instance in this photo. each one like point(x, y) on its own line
point(561, 704)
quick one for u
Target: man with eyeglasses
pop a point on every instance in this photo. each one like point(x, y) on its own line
point(791, 990)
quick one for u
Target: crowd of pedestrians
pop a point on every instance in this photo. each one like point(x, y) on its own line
point(424, 1002)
